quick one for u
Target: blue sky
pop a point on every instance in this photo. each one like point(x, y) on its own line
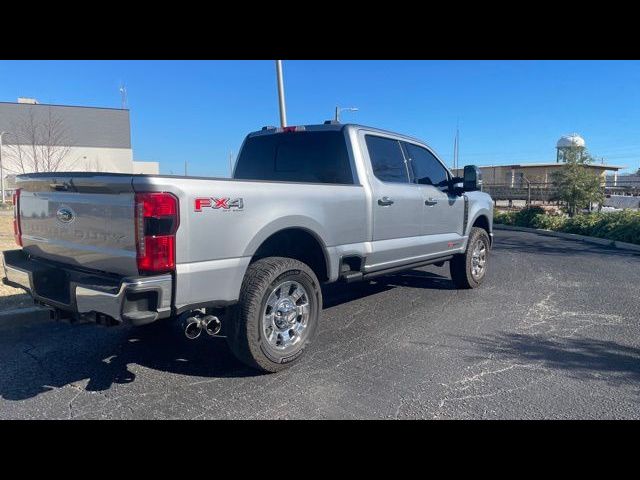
point(199, 111)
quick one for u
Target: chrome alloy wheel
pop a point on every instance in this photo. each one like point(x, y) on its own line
point(286, 316)
point(478, 259)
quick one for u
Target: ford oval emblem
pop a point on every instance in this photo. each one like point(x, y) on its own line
point(65, 215)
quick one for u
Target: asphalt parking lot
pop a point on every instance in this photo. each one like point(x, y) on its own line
point(553, 333)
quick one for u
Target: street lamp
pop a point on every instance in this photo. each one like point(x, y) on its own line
point(1, 168)
point(347, 109)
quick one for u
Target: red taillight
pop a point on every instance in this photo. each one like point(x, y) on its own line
point(158, 204)
point(17, 232)
point(156, 225)
point(160, 254)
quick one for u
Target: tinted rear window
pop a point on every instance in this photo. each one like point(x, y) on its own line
point(317, 157)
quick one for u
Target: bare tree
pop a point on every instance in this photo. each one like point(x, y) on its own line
point(39, 143)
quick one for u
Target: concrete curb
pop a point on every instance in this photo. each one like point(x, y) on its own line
point(572, 236)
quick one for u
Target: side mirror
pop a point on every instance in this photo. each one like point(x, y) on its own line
point(456, 185)
point(472, 179)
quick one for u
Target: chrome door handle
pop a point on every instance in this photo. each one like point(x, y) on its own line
point(430, 202)
point(385, 201)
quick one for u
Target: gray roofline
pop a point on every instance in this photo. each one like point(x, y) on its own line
point(60, 105)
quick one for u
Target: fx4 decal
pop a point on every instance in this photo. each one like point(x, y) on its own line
point(225, 204)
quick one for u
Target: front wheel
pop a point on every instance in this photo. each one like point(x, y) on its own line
point(277, 314)
point(469, 269)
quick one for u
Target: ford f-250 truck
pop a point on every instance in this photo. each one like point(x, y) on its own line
point(245, 257)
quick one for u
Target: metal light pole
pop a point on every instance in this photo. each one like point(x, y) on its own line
point(348, 109)
point(1, 168)
point(283, 108)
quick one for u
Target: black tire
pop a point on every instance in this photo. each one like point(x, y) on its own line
point(460, 265)
point(246, 337)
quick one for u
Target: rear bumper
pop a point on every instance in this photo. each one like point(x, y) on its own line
point(135, 300)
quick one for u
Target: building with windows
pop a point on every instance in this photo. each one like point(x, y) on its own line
point(624, 181)
point(41, 137)
point(541, 174)
point(517, 175)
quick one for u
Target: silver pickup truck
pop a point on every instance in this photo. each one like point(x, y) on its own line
point(245, 257)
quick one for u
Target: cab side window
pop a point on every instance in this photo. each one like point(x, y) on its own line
point(427, 170)
point(387, 159)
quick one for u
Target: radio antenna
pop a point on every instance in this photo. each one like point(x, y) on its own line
point(123, 96)
point(456, 147)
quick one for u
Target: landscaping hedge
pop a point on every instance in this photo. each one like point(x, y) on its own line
point(623, 226)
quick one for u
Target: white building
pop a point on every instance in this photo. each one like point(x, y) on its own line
point(40, 137)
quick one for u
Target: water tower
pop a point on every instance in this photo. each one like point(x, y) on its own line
point(569, 143)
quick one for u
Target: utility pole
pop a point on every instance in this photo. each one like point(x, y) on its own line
point(231, 164)
point(185, 168)
point(283, 108)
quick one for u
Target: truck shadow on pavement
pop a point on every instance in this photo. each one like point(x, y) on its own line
point(337, 293)
point(69, 354)
point(41, 356)
point(583, 358)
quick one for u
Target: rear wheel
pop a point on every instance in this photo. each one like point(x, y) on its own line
point(469, 269)
point(277, 314)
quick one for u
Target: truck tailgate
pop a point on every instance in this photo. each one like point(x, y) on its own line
point(84, 220)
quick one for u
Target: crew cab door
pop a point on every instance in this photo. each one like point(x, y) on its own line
point(442, 212)
point(396, 204)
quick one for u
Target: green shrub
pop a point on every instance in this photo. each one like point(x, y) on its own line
point(524, 218)
point(549, 222)
point(585, 224)
point(504, 218)
point(623, 226)
point(521, 218)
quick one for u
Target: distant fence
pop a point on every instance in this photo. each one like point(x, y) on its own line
point(547, 192)
point(534, 192)
point(622, 201)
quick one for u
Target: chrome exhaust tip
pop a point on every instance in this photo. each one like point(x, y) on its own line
point(212, 325)
point(192, 328)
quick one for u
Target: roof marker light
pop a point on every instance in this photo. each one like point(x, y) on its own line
point(299, 128)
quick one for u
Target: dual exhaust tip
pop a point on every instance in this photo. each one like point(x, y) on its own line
point(193, 325)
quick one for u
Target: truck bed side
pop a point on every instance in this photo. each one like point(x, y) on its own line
point(215, 245)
